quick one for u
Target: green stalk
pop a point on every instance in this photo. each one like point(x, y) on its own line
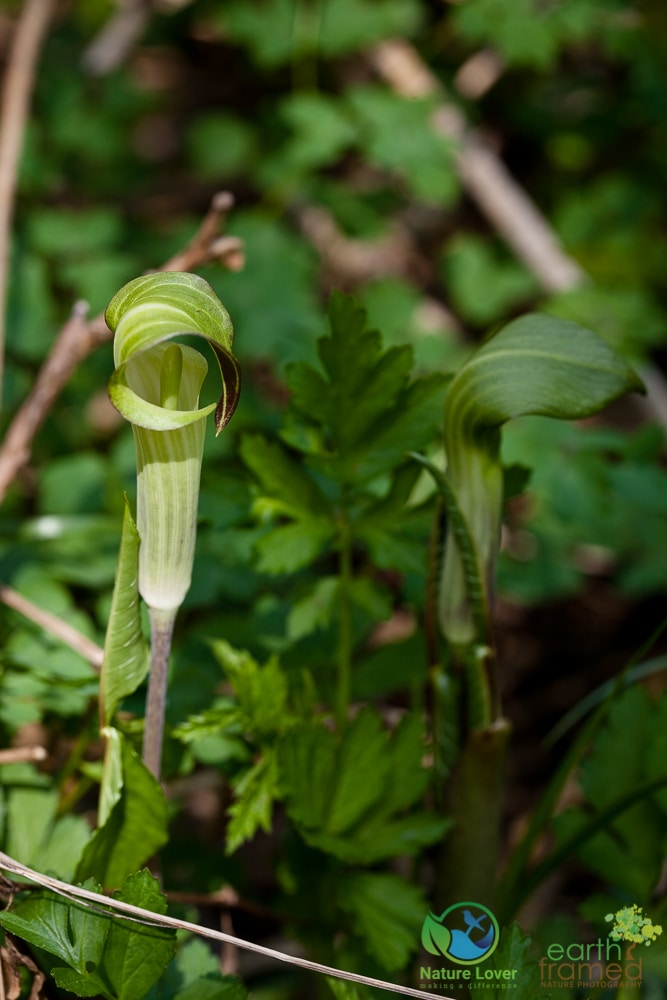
point(162, 629)
point(345, 621)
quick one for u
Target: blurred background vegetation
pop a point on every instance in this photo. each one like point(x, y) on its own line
point(342, 178)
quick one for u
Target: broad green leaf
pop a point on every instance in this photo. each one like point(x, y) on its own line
point(195, 973)
point(255, 793)
point(278, 31)
point(313, 611)
point(321, 130)
point(536, 365)
point(290, 547)
point(385, 912)
point(397, 134)
point(135, 829)
point(106, 955)
point(37, 837)
point(125, 662)
point(74, 933)
point(629, 851)
point(135, 955)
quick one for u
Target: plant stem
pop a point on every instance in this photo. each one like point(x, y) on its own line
point(162, 628)
point(345, 620)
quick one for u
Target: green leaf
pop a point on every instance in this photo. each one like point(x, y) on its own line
point(398, 135)
point(368, 411)
point(36, 837)
point(321, 128)
point(277, 31)
point(512, 953)
point(313, 611)
point(71, 932)
point(135, 955)
point(125, 655)
point(385, 912)
point(261, 691)
point(343, 794)
point(288, 489)
point(255, 793)
point(195, 973)
point(629, 852)
point(135, 829)
point(484, 285)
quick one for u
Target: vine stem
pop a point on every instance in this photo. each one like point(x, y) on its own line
point(162, 629)
point(345, 621)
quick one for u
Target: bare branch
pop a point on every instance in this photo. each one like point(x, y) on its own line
point(507, 206)
point(54, 625)
point(30, 33)
point(104, 904)
point(21, 755)
point(117, 38)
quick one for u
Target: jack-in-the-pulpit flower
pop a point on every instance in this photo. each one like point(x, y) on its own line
point(539, 365)
point(156, 385)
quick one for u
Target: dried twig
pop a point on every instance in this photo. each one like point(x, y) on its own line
point(23, 755)
point(105, 905)
point(30, 32)
point(54, 625)
point(512, 213)
point(110, 48)
point(79, 337)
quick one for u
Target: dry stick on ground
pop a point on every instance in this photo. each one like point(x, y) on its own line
point(30, 32)
point(506, 205)
point(51, 623)
point(484, 175)
point(79, 337)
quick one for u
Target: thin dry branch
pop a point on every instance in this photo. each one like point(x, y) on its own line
point(110, 48)
point(30, 33)
point(22, 755)
point(507, 206)
point(104, 905)
point(51, 623)
point(78, 337)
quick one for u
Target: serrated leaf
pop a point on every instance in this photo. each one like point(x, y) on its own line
point(125, 662)
point(135, 955)
point(261, 691)
point(385, 912)
point(313, 611)
point(255, 793)
point(342, 795)
point(289, 487)
point(70, 931)
point(629, 851)
point(423, 158)
point(292, 546)
point(135, 829)
point(512, 953)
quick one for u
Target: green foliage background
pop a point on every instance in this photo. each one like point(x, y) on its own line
point(335, 841)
